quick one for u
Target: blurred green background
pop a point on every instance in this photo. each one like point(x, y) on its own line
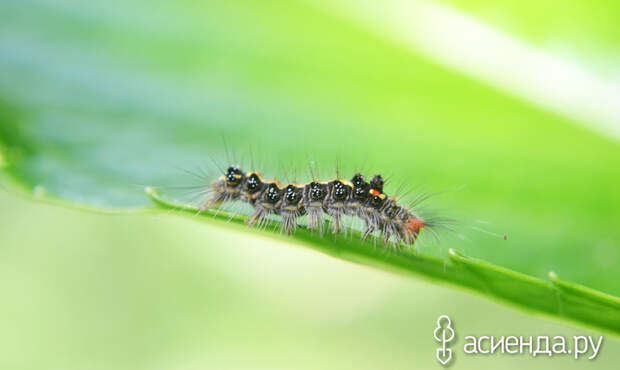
point(99, 99)
point(88, 291)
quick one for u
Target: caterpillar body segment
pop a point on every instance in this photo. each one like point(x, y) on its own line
point(292, 207)
point(358, 197)
point(372, 207)
point(252, 187)
point(339, 191)
point(314, 196)
point(267, 203)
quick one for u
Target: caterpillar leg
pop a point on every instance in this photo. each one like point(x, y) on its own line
point(336, 215)
point(385, 237)
point(373, 223)
point(368, 232)
point(338, 194)
point(289, 222)
point(257, 217)
point(312, 221)
point(291, 207)
point(315, 219)
point(336, 224)
point(409, 238)
point(314, 196)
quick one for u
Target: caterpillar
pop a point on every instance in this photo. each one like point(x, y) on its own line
point(318, 200)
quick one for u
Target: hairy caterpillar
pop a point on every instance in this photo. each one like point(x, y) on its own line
point(318, 200)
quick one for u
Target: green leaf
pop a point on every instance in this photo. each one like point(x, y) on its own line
point(98, 100)
point(558, 298)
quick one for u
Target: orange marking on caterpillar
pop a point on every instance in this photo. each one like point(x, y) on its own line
point(414, 224)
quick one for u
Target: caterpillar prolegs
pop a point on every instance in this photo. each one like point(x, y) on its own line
point(318, 200)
